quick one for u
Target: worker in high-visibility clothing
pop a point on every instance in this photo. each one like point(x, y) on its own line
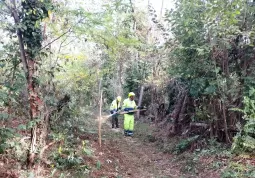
point(115, 107)
point(129, 118)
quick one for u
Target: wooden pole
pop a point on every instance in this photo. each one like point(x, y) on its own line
point(100, 94)
point(99, 123)
point(140, 101)
point(161, 10)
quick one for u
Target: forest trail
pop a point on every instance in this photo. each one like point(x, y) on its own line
point(128, 157)
point(122, 157)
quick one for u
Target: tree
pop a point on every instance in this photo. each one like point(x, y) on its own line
point(27, 16)
point(213, 55)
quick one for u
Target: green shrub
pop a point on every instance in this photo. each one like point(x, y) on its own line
point(5, 134)
point(236, 170)
point(244, 141)
point(68, 162)
point(185, 144)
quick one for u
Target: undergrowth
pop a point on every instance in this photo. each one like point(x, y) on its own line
point(144, 132)
point(238, 170)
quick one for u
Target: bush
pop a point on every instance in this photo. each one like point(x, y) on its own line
point(235, 170)
point(185, 144)
point(244, 141)
point(5, 134)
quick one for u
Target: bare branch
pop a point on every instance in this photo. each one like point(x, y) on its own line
point(69, 30)
point(8, 7)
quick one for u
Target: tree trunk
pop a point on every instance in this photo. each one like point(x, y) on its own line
point(29, 70)
point(225, 122)
point(140, 100)
point(45, 127)
point(10, 93)
point(34, 102)
point(177, 111)
point(20, 38)
point(120, 71)
point(31, 153)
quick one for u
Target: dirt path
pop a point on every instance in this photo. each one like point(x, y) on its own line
point(124, 157)
point(130, 157)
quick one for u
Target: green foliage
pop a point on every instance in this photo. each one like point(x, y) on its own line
point(191, 165)
point(85, 148)
point(244, 141)
point(78, 80)
point(108, 43)
point(236, 170)
point(211, 40)
point(70, 161)
point(215, 148)
point(185, 144)
point(4, 96)
point(136, 74)
point(144, 132)
point(70, 154)
point(98, 164)
point(11, 142)
point(5, 135)
point(191, 58)
point(105, 29)
point(12, 83)
point(33, 13)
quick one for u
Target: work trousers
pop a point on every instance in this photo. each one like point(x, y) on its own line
point(129, 120)
point(115, 121)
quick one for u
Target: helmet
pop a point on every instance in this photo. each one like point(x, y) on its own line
point(131, 94)
point(119, 98)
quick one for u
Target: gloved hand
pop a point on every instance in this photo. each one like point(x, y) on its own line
point(113, 111)
point(126, 109)
point(140, 107)
point(119, 108)
point(130, 112)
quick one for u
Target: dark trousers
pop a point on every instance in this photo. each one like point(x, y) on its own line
point(115, 121)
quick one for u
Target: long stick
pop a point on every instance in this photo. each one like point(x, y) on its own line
point(99, 123)
point(161, 10)
point(126, 112)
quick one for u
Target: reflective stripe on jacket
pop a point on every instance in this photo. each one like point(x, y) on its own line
point(128, 105)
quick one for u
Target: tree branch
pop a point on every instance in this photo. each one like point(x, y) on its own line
point(16, 18)
point(69, 30)
point(133, 11)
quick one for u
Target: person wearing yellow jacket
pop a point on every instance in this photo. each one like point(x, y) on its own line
point(115, 107)
point(129, 118)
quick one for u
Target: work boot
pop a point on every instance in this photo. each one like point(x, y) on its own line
point(130, 133)
point(125, 132)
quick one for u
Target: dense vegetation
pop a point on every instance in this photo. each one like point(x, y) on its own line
point(194, 64)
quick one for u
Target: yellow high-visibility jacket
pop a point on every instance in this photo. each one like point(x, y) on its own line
point(129, 118)
point(115, 105)
point(129, 105)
